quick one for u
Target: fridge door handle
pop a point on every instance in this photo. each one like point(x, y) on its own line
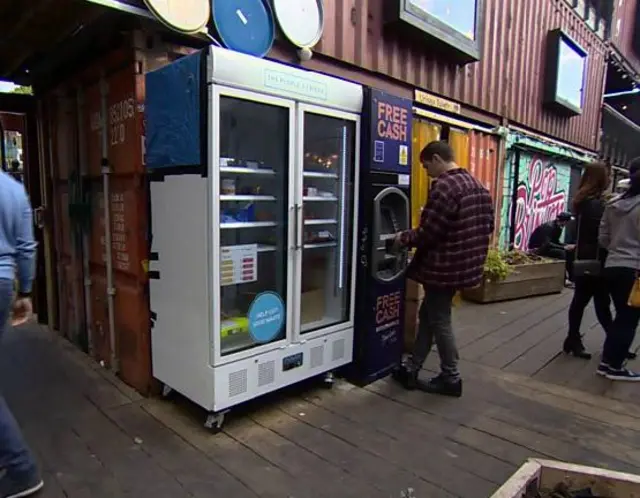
point(298, 225)
point(294, 245)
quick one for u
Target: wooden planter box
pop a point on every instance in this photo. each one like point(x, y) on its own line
point(537, 475)
point(534, 279)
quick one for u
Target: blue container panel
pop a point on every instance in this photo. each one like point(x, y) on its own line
point(173, 114)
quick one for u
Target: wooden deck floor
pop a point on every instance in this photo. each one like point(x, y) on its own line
point(96, 438)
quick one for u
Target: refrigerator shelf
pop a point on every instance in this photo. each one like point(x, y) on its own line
point(319, 174)
point(320, 222)
point(248, 224)
point(320, 199)
point(320, 245)
point(246, 171)
point(261, 248)
point(240, 198)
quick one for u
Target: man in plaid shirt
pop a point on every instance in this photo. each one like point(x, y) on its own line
point(451, 244)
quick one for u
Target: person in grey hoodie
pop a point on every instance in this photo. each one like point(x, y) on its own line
point(620, 236)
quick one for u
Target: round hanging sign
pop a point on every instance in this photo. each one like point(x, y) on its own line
point(185, 16)
point(244, 25)
point(301, 21)
point(266, 317)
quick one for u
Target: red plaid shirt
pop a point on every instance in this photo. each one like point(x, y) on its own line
point(453, 237)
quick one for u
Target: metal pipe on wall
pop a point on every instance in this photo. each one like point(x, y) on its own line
point(86, 269)
point(3, 152)
point(106, 171)
point(46, 228)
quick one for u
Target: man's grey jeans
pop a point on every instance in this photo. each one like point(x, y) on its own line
point(435, 325)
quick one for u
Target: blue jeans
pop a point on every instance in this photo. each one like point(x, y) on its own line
point(15, 455)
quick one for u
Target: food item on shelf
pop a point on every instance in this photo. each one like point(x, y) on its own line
point(245, 214)
point(234, 326)
point(317, 236)
point(310, 191)
point(225, 162)
point(228, 186)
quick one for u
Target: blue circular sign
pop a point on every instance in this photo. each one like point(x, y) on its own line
point(244, 25)
point(266, 317)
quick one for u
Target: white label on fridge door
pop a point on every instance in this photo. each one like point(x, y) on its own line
point(403, 180)
point(238, 264)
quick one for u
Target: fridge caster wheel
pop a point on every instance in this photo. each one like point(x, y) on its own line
point(214, 421)
point(166, 391)
point(329, 380)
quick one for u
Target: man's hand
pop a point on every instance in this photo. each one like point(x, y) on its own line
point(397, 242)
point(569, 247)
point(22, 311)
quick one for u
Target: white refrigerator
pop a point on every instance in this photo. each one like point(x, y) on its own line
point(253, 169)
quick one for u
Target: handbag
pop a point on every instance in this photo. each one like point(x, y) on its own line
point(634, 296)
point(585, 267)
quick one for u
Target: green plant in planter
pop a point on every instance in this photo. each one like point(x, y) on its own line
point(496, 267)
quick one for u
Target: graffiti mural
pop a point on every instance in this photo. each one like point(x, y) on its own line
point(541, 194)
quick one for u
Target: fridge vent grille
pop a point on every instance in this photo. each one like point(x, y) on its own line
point(317, 356)
point(338, 350)
point(237, 383)
point(266, 373)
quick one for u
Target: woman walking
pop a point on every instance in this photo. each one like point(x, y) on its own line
point(588, 207)
point(620, 235)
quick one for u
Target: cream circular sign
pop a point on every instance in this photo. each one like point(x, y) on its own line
point(301, 21)
point(186, 16)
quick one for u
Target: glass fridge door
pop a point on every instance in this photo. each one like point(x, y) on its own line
point(326, 188)
point(253, 202)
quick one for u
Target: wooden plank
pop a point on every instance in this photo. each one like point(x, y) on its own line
point(77, 470)
point(452, 466)
point(198, 475)
point(521, 343)
point(387, 477)
point(492, 341)
point(300, 463)
point(134, 470)
point(563, 368)
point(472, 322)
point(431, 463)
point(258, 474)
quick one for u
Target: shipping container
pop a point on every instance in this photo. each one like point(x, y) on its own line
point(508, 80)
point(623, 37)
point(87, 281)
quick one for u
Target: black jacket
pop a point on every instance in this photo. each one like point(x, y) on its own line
point(546, 236)
point(589, 213)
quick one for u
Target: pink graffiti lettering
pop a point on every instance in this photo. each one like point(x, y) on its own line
point(537, 202)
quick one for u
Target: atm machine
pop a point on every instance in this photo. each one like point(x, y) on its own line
point(384, 210)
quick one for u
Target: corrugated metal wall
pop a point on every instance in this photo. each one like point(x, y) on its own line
point(508, 81)
point(624, 20)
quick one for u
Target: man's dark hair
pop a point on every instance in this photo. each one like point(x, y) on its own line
point(440, 148)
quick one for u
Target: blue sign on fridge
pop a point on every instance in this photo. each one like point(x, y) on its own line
point(266, 317)
point(390, 132)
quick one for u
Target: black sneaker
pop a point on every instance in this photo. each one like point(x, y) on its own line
point(623, 374)
point(407, 377)
point(603, 369)
point(19, 486)
point(441, 385)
